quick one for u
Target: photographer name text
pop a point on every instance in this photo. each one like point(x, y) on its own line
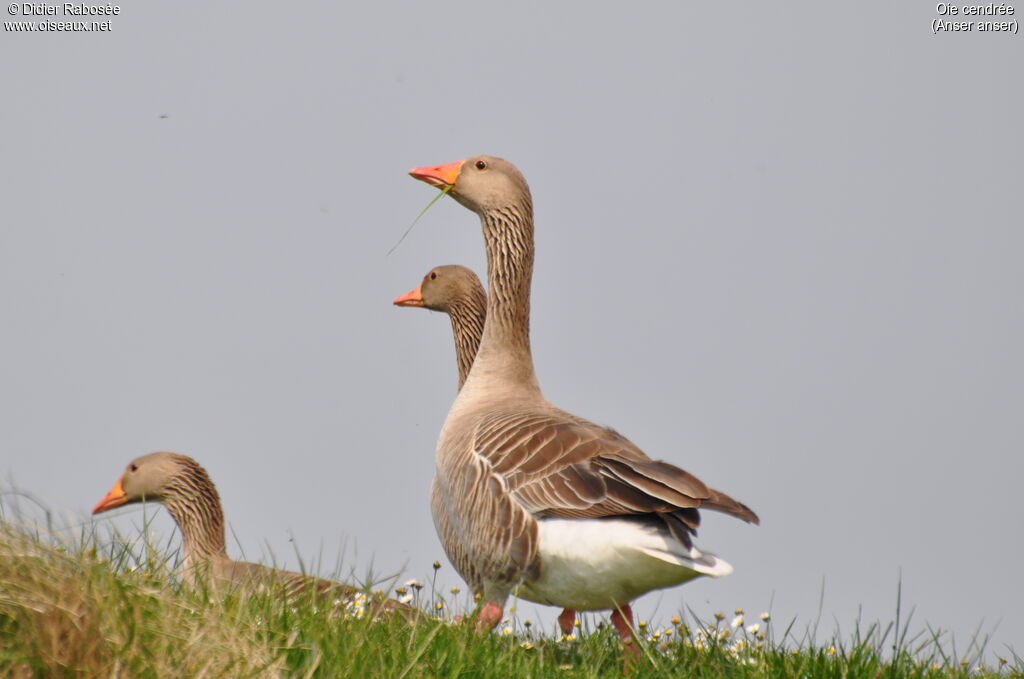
point(67, 9)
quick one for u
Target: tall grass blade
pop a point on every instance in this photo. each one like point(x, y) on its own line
point(420, 651)
point(422, 212)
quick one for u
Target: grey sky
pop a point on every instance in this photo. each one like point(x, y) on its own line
point(779, 247)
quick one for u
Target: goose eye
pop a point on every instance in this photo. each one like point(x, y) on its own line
point(481, 165)
point(433, 275)
point(134, 467)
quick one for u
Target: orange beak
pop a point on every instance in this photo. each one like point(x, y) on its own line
point(115, 498)
point(438, 175)
point(412, 298)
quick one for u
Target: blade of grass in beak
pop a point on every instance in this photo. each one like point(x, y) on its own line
point(422, 212)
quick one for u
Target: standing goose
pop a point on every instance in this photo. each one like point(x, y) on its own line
point(529, 498)
point(456, 291)
point(182, 485)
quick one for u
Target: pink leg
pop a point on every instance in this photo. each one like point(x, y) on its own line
point(489, 616)
point(622, 618)
point(567, 621)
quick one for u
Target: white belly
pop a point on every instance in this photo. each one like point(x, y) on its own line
point(589, 564)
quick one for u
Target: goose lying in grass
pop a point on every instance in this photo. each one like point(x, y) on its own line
point(182, 485)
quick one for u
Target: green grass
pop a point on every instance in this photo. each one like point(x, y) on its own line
point(105, 606)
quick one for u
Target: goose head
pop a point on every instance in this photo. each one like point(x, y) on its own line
point(442, 288)
point(150, 477)
point(482, 183)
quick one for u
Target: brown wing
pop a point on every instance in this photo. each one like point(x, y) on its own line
point(296, 586)
point(557, 465)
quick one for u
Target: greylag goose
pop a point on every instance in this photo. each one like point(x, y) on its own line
point(529, 498)
point(456, 291)
point(182, 485)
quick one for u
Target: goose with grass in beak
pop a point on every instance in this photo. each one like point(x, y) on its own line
point(529, 498)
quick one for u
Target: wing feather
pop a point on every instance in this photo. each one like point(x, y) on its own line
point(558, 465)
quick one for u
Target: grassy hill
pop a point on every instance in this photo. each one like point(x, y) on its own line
point(104, 606)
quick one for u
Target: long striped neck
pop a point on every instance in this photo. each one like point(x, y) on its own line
point(467, 313)
point(505, 348)
point(193, 502)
